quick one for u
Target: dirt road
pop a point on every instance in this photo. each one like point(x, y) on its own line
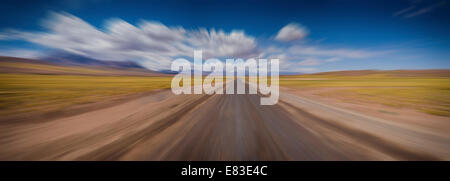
point(163, 126)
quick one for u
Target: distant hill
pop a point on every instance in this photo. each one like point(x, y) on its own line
point(67, 59)
point(74, 66)
point(402, 73)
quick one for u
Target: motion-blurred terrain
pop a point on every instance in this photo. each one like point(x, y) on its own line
point(74, 111)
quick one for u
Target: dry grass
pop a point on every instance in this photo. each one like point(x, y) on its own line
point(26, 92)
point(430, 93)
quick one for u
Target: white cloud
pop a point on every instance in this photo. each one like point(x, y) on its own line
point(403, 11)
point(155, 45)
point(417, 8)
point(152, 44)
point(22, 53)
point(3, 37)
point(305, 58)
point(291, 32)
point(310, 62)
point(305, 70)
point(220, 44)
point(287, 65)
point(316, 51)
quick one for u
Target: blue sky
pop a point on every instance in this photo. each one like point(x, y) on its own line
point(308, 36)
